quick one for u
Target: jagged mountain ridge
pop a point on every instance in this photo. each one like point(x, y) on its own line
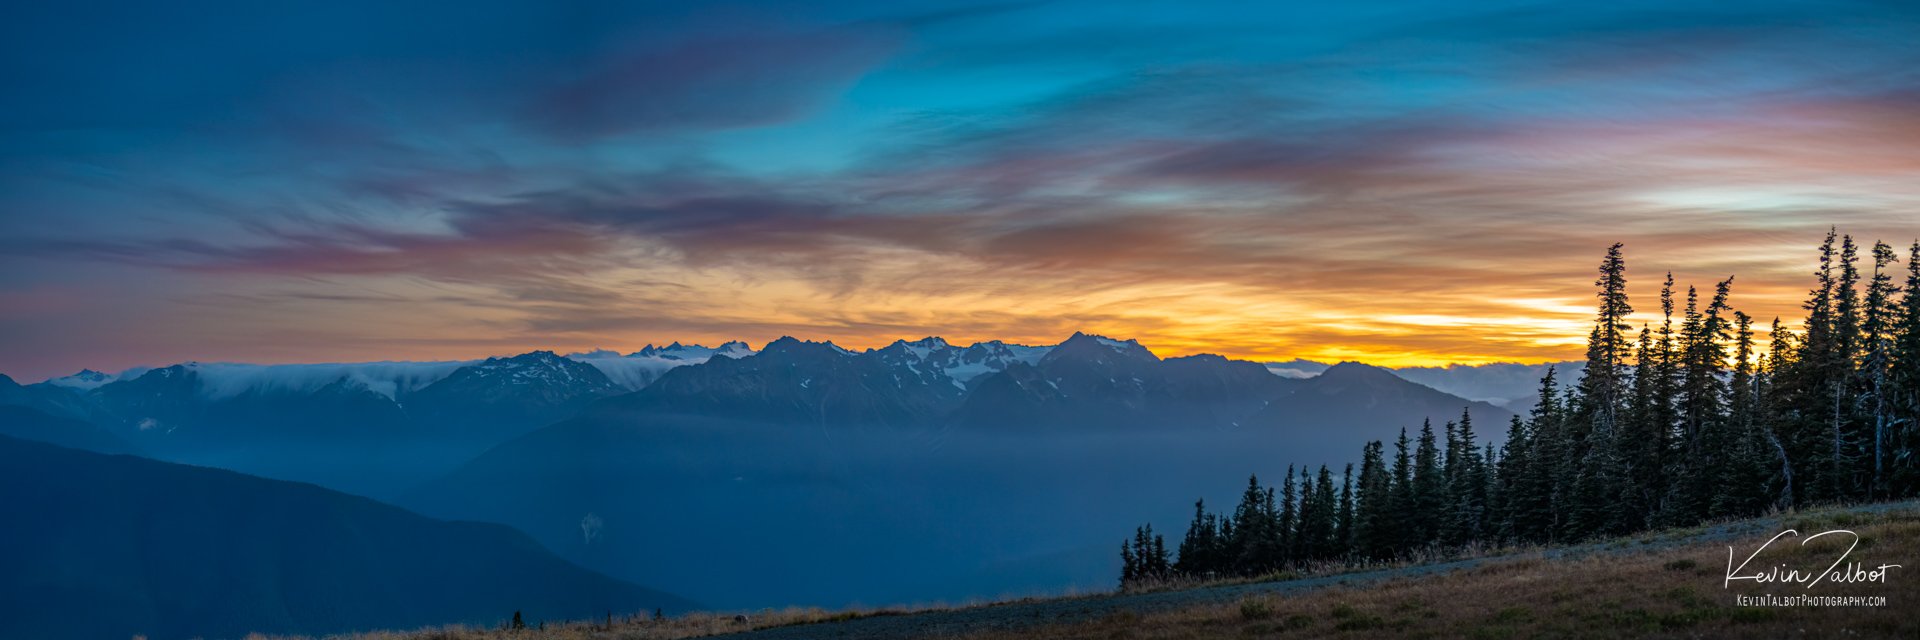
point(378, 428)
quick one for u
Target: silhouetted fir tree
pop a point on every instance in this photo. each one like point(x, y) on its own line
point(1701, 408)
point(1373, 500)
point(1449, 459)
point(1319, 530)
point(1343, 521)
point(1506, 497)
point(1229, 538)
point(1641, 438)
point(1603, 384)
point(1429, 487)
point(1466, 485)
point(1743, 483)
point(1255, 540)
point(1878, 323)
point(1449, 470)
point(1780, 423)
point(1144, 558)
point(1904, 385)
point(1535, 500)
point(1846, 439)
point(1200, 550)
point(1159, 562)
point(1277, 553)
point(1402, 520)
point(1591, 500)
point(1305, 527)
point(1490, 528)
point(1289, 515)
point(1804, 388)
point(1666, 390)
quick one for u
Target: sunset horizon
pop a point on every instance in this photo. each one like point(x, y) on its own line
point(1527, 340)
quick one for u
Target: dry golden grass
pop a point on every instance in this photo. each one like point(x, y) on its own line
point(1659, 592)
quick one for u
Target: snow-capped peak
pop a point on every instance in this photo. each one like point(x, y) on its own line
point(934, 357)
point(640, 368)
point(85, 380)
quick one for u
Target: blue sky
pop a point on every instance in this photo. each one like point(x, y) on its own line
point(1396, 182)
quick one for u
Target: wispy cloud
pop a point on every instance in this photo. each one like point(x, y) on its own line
point(1408, 186)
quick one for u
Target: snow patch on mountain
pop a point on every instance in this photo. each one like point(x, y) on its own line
point(638, 369)
point(934, 359)
point(85, 380)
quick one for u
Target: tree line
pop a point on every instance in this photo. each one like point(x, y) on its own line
point(1683, 421)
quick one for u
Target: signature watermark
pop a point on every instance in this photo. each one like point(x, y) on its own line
point(1840, 571)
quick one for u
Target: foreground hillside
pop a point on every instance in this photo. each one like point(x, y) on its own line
point(99, 546)
point(1661, 585)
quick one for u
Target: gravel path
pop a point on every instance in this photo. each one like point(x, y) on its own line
point(1030, 614)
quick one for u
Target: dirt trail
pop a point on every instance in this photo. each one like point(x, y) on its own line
point(1031, 614)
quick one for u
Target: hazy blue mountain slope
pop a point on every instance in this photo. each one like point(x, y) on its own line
point(809, 475)
point(27, 423)
point(1351, 403)
point(99, 546)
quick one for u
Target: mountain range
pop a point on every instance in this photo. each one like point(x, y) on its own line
point(804, 456)
point(914, 472)
point(368, 428)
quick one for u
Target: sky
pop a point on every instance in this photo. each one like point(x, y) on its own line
point(1403, 183)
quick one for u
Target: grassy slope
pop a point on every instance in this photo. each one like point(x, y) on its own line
point(1634, 588)
point(1656, 585)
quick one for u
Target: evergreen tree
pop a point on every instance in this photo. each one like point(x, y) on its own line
point(1535, 500)
point(1256, 541)
point(1429, 487)
point(1506, 497)
point(1642, 438)
point(1742, 486)
point(1289, 518)
point(1776, 427)
point(1320, 530)
point(1878, 325)
point(1603, 385)
point(1402, 507)
point(1373, 522)
point(1701, 401)
point(1466, 485)
point(1144, 558)
point(1842, 375)
point(1812, 434)
point(1199, 550)
point(1903, 384)
point(1343, 523)
point(1491, 528)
